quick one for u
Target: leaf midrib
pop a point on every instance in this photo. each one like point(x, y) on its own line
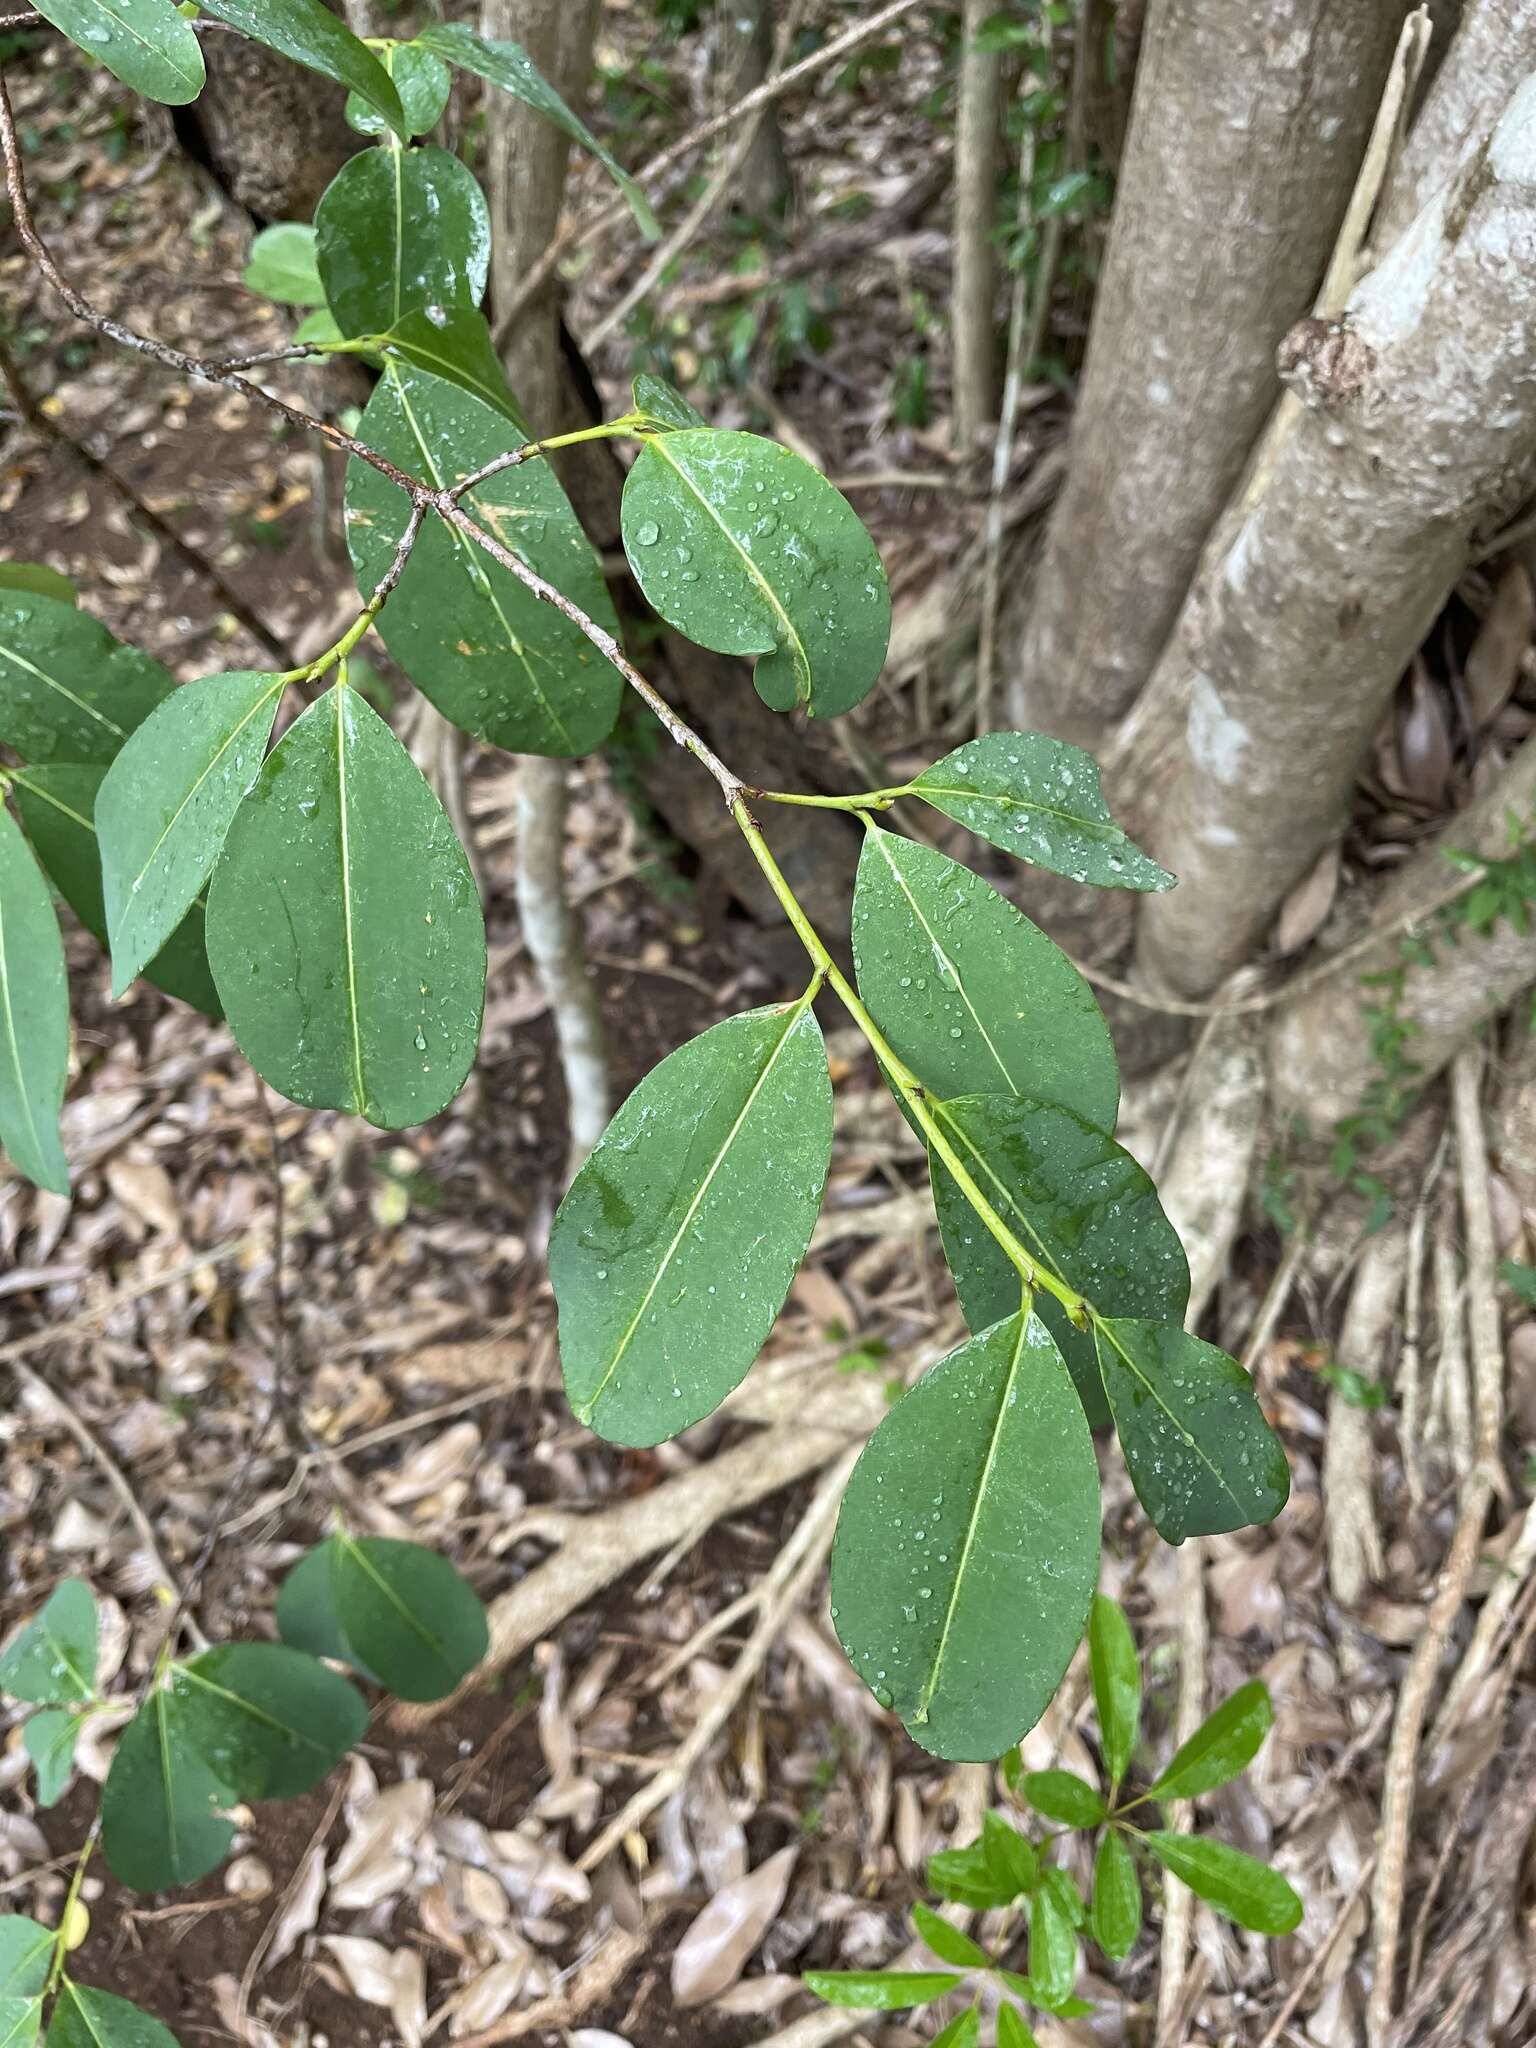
point(355, 1553)
point(121, 21)
point(359, 1085)
point(13, 1040)
point(1103, 829)
point(63, 689)
point(1192, 1442)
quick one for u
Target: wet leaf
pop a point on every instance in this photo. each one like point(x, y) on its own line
point(661, 406)
point(282, 267)
point(50, 1738)
point(344, 930)
point(968, 1544)
point(949, 1944)
point(1239, 1886)
point(34, 1017)
point(39, 579)
point(145, 43)
point(1052, 1950)
point(1115, 1916)
point(1116, 1684)
point(455, 344)
point(745, 548)
point(971, 995)
point(401, 230)
point(423, 83)
point(1040, 800)
point(68, 690)
point(716, 1947)
point(395, 1611)
point(167, 802)
point(1064, 1797)
point(52, 1661)
point(1223, 1745)
point(84, 2017)
point(308, 33)
point(1201, 1456)
point(880, 1990)
point(674, 1249)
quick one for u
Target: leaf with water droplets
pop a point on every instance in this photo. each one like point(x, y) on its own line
point(397, 1612)
point(674, 1249)
point(660, 406)
point(344, 930)
point(1201, 1456)
point(744, 547)
point(975, 998)
point(68, 690)
point(968, 1544)
point(34, 1016)
point(1070, 1194)
point(52, 1661)
point(455, 343)
point(308, 33)
point(1040, 800)
point(397, 230)
point(423, 83)
point(145, 43)
point(166, 803)
point(496, 660)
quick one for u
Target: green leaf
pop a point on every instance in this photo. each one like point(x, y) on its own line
point(50, 1736)
point(145, 43)
point(318, 327)
point(1201, 1456)
point(1063, 1796)
point(167, 802)
point(1520, 1280)
point(401, 230)
point(282, 265)
point(397, 1612)
point(311, 35)
point(1010, 1854)
point(423, 83)
point(458, 348)
point(1052, 1950)
point(84, 2017)
point(963, 2031)
point(880, 1990)
point(660, 406)
point(160, 1809)
point(1063, 1885)
point(68, 690)
point(1222, 1746)
point(673, 1251)
point(344, 930)
point(56, 803)
point(1070, 1194)
point(1064, 2008)
point(967, 1876)
point(973, 997)
point(34, 1016)
point(1012, 2030)
point(20, 2019)
point(968, 1544)
point(1116, 1684)
point(948, 1943)
point(493, 658)
point(1115, 1919)
point(52, 1661)
point(745, 548)
point(39, 579)
point(509, 66)
point(1040, 800)
point(26, 1951)
point(1246, 1890)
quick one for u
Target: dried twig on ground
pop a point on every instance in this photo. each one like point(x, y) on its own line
point(1355, 1551)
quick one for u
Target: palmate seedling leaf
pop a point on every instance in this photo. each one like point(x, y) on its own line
point(344, 929)
point(1116, 1684)
point(673, 1251)
point(50, 1736)
point(167, 802)
point(1201, 1456)
point(401, 230)
point(493, 658)
point(880, 1990)
point(281, 265)
point(745, 548)
point(509, 66)
point(1239, 1886)
point(1064, 1797)
point(68, 690)
point(971, 995)
point(1115, 1917)
point(968, 1544)
point(660, 406)
point(949, 1944)
point(39, 579)
point(1072, 1196)
point(26, 1950)
point(34, 1016)
point(423, 83)
point(1052, 1950)
point(57, 803)
point(145, 43)
point(242, 1722)
point(396, 1611)
point(52, 1660)
point(1224, 1744)
point(1039, 799)
point(307, 32)
point(84, 2017)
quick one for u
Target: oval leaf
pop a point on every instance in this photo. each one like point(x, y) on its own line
point(84, 2017)
point(400, 230)
point(281, 265)
point(1039, 799)
point(455, 344)
point(744, 547)
point(423, 83)
point(311, 35)
point(26, 1950)
point(975, 999)
point(145, 43)
point(166, 804)
point(1116, 1684)
point(50, 1738)
point(1246, 1890)
point(968, 1544)
point(1069, 1193)
point(57, 803)
point(673, 1251)
point(880, 1990)
point(660, 406)
point(949, 1944)
point(1052, 1950)
point(269, 1720)
point(1222, 1746)
point(1063, 1796)
point(395, 1611)
point(34, 1016)
point(491, 656)
point(344, 930)
point(1201, 1456)
point(161, 1815)
point(52, 1661)
point(68, 690)
point(1115, 1917)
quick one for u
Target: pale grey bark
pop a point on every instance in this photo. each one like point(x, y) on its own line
point(1246, 129)
point(746, 50)
point(973, 293)
point(1419, 430)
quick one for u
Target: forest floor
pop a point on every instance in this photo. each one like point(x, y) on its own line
point(444, 1882)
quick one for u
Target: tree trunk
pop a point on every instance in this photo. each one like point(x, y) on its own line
point(1246, 130)
point(1419, 427)
point(272, 134)
point(973, 310)
point(746, 46)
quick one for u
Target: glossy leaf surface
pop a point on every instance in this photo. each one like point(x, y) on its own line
point(744, 547)
point(68, 690)
point(307, 32)
point(674, 1249)
point(1246, 1890)
point(84, 2017)
point(1224, 1744)
point(1063, 1796)
point(397, 1612)
point(1116, 1673)
point(145, 43)
point(52, 1660)
point(455, 344)
point(1052, 1949)
point(968, 1544)
point(949, 1944)
point(401, 230)
point(880, 1990)
point(34, 1016)
point(662, 406)
point(423, 83)
point(1115, 1917)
